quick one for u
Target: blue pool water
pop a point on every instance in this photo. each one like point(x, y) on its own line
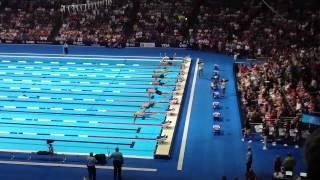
point(85, 104)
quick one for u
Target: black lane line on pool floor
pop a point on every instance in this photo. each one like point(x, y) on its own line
point(120, 78)
point(75, 109)
point(98, 84)
point(74, 67)
point(93, 77)
point(79, 73)
point(86, 69)
point(71, 92)
point(80, 90)
point(99, 115)
point(77, 135)
point(105, 80)
point(60, 140)
point(81, 121)
point(67, 126)
point(58, 100)
point(70, 63)
point(59, 67)
point(82, 99)
point(76, 76)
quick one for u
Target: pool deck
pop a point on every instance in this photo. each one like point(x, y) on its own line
point(163, 149)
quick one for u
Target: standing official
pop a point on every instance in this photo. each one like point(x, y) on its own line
point(65, 48)
point(91, 164)
point(117, 163)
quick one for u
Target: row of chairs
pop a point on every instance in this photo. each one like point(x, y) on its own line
point(216, 115)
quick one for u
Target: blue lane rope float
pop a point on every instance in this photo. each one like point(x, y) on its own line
point(71, 103)
point(126, 78)
point(165, 102)
point(79, 121)
point(36, 68)
point(138, 124)
point(102, 83)
point(107, 77)
point(6, 62)
point(69, 145)
point(76, 135)
point(74, 109)
point(87, 83)
point(75, 93)
point(79, 99)
point(64, 113)
point(60, 140)
point(80, 90)
point(69, 62)
point(26, 73)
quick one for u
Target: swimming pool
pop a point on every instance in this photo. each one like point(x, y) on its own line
point(85, 104)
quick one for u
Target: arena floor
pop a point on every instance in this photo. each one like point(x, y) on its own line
point(197, 153)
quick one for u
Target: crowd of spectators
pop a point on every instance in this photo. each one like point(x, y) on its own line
point(253, 30)
point(98, 25)
point(276, 92)
point(161, 21)
point(27, 20)
point(249, 29)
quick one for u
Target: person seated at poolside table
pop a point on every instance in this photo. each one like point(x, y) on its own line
point(143, 115)
point(162, 139)
point(216, 105)
point(216, 116)
point(215, 77)
point(147, 105)
point(158, 83)
point(214, 86)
